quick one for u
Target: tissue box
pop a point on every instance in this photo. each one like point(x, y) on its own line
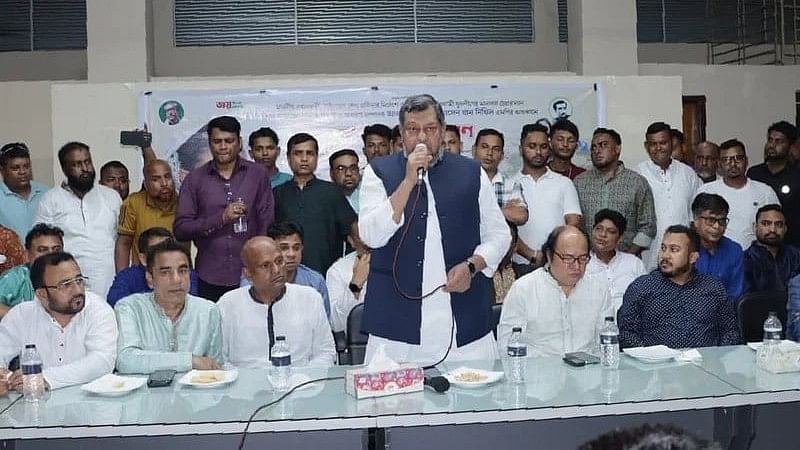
point(362, 382)
point(782, 358)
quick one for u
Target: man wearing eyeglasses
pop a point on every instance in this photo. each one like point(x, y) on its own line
point(74, 330)
point(19, 193)
point(346, 174)
point(743, 195)
point(719, 256)
point(560, 307)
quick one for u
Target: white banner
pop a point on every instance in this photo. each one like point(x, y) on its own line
point(336, 116)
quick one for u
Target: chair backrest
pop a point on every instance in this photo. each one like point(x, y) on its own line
point(497, 308)
point(356, 340)
point(752, 310)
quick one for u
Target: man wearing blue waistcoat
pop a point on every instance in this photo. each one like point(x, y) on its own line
point(438, 236)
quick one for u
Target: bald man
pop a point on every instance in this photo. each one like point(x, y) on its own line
point(559, 306)
point(152, 207)
point(293, 311)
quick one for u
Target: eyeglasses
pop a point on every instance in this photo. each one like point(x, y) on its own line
point(734, 158)
point(66, 285)
point(569, 259)
point(710, 221)
point(343, 169)
point(414, 131)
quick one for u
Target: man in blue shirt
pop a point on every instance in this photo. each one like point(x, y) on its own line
point(289, 237)
point(264, 150)
point(720, 257)
point(19, 194)
point(769, 263)
point(132, 280)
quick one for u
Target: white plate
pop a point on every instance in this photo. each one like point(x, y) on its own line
point(229, 376)
point(112, 385)
point(653, 354)
point(785, 343)
point(488, 377)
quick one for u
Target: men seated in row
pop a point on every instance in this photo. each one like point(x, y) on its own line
point(15, 284)
point(560, 307)
point(133, 280)
point(253, 316)
point(73, 329)
point(619, 268)
point(677, 305)
point(769, 263)
point(719, 256)
point(168, 328)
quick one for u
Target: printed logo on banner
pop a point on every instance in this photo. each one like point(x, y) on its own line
point(229, 104)
point(560, 108)
point(170, 112)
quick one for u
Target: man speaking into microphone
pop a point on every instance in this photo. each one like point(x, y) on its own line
point(437, 234)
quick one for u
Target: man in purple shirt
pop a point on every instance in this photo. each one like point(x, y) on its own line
point(222, 204)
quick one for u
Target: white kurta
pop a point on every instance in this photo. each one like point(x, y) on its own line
point(80, 352)
point(90, 230)
point(673, 192)
point(620, 272)
point(554, 324)
point(298, 315)
point(342, 299)
point(376, 228)
point(744, 203)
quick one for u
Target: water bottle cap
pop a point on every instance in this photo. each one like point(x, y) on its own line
point(30, 345)
point(772, 313)
point(280, 338)
point(515, 329)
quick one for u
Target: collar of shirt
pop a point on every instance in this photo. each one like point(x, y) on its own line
point(617, 171)
point(657, 169)
point(36, 188)
point(161, 311)
point(253, 297)
point(498, 178)
point(309, 183)
point(173, 204)
point(211, 167)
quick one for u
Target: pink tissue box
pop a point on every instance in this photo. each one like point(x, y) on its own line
point(361, 383)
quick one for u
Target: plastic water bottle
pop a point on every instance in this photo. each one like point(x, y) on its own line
point(517, 356)
point(240, 226)
point(281, 371)
point(609, 344)
point(772, 329)
point(33, 385)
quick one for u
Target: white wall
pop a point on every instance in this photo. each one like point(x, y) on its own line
point(741, 101)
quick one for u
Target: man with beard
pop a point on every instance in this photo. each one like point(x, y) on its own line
point(719, 256)
point(609, 184)
point(86, 213)
point(152, 207)
point(782, 175)
point(264, 150)
point(73, 330)
point(706, 161)
point(769, 264)
point(345, 173)
point(551, 197)
point(19, 193)
point(676, 305)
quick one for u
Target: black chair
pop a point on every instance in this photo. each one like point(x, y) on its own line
point(340, 340)
point(356, 340)
point(752, 310)
point(497, 308)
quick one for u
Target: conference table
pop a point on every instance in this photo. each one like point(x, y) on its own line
point(724, 396)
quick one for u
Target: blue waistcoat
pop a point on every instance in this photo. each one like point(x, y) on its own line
point(455, 181)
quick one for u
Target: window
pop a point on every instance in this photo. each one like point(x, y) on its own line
point(43, 25)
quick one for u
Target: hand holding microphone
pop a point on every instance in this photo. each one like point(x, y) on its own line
point(419, 158)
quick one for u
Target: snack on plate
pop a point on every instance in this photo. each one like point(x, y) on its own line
point(118, 384)
point(208, 377)
point(470, 377)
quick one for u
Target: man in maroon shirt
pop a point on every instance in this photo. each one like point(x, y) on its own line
point(222, 204)
point(564, 141)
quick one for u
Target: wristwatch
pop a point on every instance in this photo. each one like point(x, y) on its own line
point(471, 267)
point(354, 288)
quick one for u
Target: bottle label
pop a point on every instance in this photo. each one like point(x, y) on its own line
point(280, 361)
point(515, 351)
point(31, 369)
point(612, 339)
point(772, 335)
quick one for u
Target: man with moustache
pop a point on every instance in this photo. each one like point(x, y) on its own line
point(115, 175)
point(19, 193)
point(264, 150)
point(718, 255)
point(437, 236)
point(168, 328)
point(769, 263)
point(782, 175)
point(346, 174)
point(452, 140)
point(706, 161)
point(153, 207)
point(560, 307)
point(676, 305)
point(291, 310)
point(213, 198)
point(73, 329)
point(86, 213)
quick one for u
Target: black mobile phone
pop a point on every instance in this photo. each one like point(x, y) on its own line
point(580, 359)
point(160, 378)
point(137, 138)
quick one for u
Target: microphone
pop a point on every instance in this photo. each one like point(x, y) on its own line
point(437, 383)
point(420, 170)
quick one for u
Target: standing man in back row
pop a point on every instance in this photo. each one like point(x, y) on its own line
point(221, 205)
point(437, 234)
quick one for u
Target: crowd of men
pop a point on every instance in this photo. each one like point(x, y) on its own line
point(426, 237)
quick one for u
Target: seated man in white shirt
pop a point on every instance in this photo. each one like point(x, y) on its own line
point(559, 307)
point(347, 280)
point(291, 310)
point(73, 329)
point(619, 268)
